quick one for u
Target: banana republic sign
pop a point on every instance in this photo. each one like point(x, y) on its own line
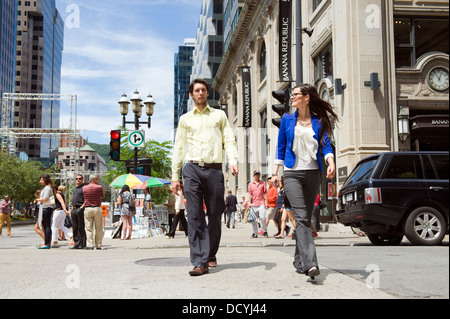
point(285, 41)
point(247, 96)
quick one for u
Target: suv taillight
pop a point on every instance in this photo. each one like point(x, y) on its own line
point(373, 195)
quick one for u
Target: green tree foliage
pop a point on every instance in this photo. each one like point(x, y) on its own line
point(162, 164)
point(19, 179)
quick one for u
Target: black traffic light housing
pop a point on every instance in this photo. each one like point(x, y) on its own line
point(282, 96)
point(114, 145)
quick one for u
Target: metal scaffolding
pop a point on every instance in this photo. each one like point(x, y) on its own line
point(9, 134)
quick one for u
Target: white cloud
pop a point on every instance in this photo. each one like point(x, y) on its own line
point(122, 46)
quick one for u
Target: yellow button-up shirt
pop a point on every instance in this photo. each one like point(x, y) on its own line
point(203, 136)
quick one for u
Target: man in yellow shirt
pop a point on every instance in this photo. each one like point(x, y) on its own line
point(201, 136)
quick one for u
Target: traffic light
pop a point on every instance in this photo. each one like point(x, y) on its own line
point(280, 109)
point(114, 145)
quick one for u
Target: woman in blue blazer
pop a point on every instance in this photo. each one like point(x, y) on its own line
point(303, 137)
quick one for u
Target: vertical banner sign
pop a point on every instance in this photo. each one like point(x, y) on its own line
point(285, 41)
point(247, 96)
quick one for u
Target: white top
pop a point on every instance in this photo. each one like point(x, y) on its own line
point(179, 201)
point(305, 147)
point(47, 192)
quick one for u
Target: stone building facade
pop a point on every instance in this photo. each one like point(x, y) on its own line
point(375, 61)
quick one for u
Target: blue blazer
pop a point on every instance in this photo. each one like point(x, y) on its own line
point(286, 139)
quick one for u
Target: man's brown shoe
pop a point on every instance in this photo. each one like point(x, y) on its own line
point(198, 271)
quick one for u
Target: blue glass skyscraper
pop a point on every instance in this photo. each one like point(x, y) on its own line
point(8, 14)
point(40, 39)
point(183, 71)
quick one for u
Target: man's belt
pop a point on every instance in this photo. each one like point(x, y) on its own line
point(207, 165)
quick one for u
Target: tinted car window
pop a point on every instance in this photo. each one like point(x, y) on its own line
point(441, 164)
point(429, 170)
point(404, 167)
point(362, 172)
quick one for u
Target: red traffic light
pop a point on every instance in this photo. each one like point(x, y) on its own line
point(114, 150)
point(115, 135)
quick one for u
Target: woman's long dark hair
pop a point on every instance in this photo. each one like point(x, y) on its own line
point(125, 188)
point(48, 181)
point(319, 108)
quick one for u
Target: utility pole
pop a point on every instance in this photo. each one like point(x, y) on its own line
point(298, 41)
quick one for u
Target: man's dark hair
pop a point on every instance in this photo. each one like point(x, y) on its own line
point(197, 81)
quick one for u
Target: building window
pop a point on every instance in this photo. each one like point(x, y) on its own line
point(323, 64)
point(265, 143)
point(316, 4)
point(415, 37)
point(262, 62)
point(235, 102)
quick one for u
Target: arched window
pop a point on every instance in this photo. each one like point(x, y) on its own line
point(262, 62)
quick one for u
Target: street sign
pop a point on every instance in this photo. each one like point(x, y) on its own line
point(136, 139)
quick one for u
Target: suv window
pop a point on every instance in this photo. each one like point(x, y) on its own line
point(404, 167)
point(441, 164)
point(429, 170)
point(362, 171)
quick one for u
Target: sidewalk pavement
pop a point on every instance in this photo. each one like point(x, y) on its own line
point(240, 236)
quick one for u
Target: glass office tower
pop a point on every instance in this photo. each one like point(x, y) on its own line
point(183, 71)
point(8, 14)
point(40, 40)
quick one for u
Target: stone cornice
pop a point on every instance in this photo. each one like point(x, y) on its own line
point(238, 42)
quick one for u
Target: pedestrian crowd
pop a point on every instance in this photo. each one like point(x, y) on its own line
point(81, 221)
point(203, 137)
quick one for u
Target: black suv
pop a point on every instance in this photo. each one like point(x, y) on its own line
point(390, 195)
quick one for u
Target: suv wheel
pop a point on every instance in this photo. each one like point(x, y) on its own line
point(425, 226)
point(385, 239)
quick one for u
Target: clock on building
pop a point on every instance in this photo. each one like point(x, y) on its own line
point(437, 78)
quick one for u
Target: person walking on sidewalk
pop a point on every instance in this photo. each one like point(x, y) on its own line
point(93, 218)
point(231, 205)
point(286, 211)
point(179, 213)
point(59, 216)
point(47, 208)
point(5, 209)
point(271, 206)
point(244, 209)
point(127, 211)
point(257, 191)
point(303, 136)
point(77, 214)
point(205, 132)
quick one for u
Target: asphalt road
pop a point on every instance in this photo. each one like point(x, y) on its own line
point(359, 271)
point(404, 271)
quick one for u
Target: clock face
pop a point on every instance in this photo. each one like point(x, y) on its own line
point(438, 79)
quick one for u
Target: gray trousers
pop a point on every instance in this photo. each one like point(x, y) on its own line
point(206, 184)
point(302, 188)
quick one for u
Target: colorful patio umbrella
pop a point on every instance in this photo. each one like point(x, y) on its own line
point(152, 182)
point(130, 180)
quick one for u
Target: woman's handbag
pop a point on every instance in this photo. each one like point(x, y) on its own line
point(131, 206)
point(251, 216)
point(68, 222)
point(52, 200)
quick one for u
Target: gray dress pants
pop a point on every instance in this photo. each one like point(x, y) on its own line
point(206, 184)
point(302, 188)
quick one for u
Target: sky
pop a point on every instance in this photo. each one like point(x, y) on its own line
point(113, 47)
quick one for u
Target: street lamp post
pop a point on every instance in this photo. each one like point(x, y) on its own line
point(136, 107)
